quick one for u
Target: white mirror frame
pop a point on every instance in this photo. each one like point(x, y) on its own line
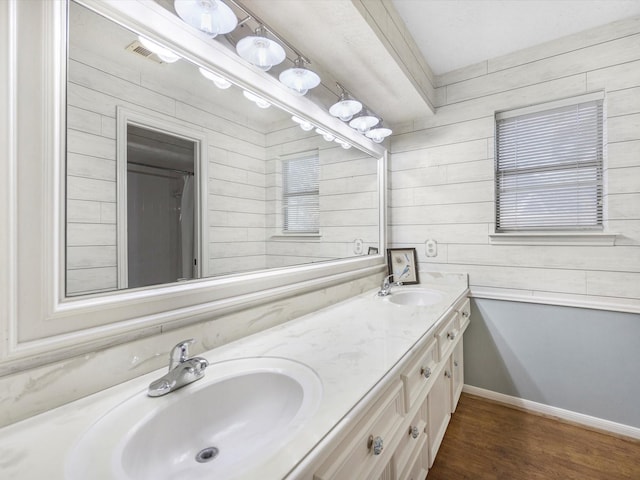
point(37, 321)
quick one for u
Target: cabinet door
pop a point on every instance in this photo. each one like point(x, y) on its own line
point(439, 402)
point(457, 372)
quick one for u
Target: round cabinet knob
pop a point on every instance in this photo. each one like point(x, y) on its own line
point(447, 374)
point(425, 371)
point(455, 363)
point(465, 314)
point(375, 444)
point(451, 335)
point(414, 432)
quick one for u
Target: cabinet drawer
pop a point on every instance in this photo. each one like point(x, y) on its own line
point(446, 336)
point(464, 315)
point(418, 375)
point(355, 456)
point(419, 465)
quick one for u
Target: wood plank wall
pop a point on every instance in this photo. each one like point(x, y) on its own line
point(442, 180)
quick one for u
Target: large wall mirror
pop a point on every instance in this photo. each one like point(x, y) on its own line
point(170, 178)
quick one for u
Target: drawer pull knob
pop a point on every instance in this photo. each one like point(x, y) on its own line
point(375, 444)
point(425, 371)
point(455, 363)
point(465, 314)
point(414, 432)
point(451, 335)
point(447, 374)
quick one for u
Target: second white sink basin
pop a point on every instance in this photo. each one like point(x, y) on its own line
point(230, 421)
point(419, 297)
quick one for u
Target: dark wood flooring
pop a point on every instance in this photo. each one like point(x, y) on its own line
point(489, 441)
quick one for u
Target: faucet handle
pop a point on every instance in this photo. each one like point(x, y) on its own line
point(180, 353)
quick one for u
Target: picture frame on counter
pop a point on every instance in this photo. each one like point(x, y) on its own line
point(403, 265)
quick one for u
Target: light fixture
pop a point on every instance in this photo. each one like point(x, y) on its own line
point(210, 16)
point(326, 135)
point(304, 125)
point(219, 82)
point(343, 144)
point(299, 78)
point(379, 133)
point(346, 107)
point(163, 53)
point(363, 122)
point(259, 101)
point(261, 51)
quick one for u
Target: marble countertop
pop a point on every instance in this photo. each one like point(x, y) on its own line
point(352, 346)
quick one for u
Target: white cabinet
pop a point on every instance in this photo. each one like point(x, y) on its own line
point(399, 434)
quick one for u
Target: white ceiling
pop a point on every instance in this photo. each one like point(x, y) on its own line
point(456, 33)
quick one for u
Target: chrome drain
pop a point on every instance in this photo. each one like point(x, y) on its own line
point(207, 454)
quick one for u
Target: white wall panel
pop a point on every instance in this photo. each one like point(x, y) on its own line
point(455, 205)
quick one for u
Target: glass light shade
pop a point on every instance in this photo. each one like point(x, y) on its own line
point(261, 51)
point(363, 122)
point(326, 135)
point(210, 16)
point(299, 79)
point(219, 82)
point(345, 109)
point(259, 101)
point(163, 53)
point(378, 134)
point(343, 144)
point(304, 125)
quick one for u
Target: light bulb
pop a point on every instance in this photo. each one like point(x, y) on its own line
point(304, 125)
point(378, 134)
point(259, 101)
point(162, 52)
point(326, 135)
point(345, 109)
point(363, 123)
point(219, 82)
point(299, 79)
point(260, 51)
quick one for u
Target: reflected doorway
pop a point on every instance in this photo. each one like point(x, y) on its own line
point(160, 208)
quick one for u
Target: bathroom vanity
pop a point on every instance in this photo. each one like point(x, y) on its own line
point(368, 388)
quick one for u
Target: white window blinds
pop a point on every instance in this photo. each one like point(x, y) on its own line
point(549, 168)
point(300, 194)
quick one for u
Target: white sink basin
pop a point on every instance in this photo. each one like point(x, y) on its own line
point(420, 297)
point(230, 421)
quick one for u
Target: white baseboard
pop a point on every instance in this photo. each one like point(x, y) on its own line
point(568, 415)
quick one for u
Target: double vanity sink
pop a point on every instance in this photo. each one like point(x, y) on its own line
point(267, 405)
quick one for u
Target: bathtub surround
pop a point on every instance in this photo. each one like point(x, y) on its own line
point(579, 359)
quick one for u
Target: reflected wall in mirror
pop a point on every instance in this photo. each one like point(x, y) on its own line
point(171, 178)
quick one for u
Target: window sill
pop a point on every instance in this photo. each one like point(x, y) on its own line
point(289, 236)
point(598, 239)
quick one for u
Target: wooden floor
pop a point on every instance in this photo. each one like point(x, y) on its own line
point(488, 441)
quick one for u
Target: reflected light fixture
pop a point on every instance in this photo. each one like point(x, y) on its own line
point(259, 101)
point(363, 122)
point(219, 81)
point(304, 125)
point(163, 53)
point(326, 135)
point(210, 16)
point(343, 144)
point(346, 107)
point(260, 51)
point(379, 133)
point(299, 78)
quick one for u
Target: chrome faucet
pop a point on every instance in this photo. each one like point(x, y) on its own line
point(385, 288)
point(182, 370)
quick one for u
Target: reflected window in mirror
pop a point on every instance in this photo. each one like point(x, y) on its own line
point(301, 194)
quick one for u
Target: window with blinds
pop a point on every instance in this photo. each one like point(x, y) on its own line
point(549, 166)
point(301, 194)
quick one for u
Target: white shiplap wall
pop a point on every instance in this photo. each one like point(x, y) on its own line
point(236, 170)
point(441, 170)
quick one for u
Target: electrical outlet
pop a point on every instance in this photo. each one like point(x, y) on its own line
point(431, 248)
point(358, 246)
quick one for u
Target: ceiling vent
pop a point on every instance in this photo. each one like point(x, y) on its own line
point(137, 48)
